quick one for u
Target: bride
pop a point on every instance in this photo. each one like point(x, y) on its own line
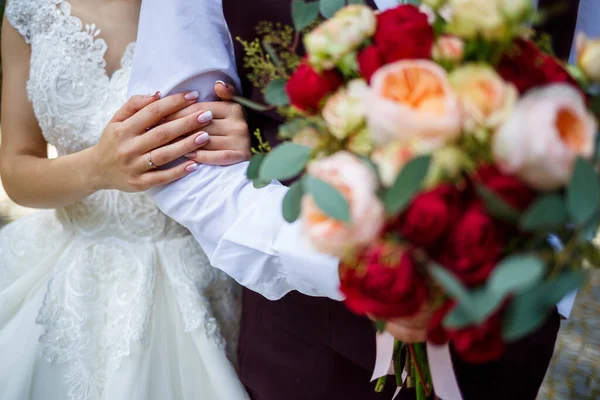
point(102, 297)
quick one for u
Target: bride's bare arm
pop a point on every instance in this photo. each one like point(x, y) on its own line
point(118, 161)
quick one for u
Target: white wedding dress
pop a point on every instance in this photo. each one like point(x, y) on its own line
point(107, 298)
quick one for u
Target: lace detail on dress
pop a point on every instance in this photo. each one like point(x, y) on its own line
point(97, 303)
point(99, 298)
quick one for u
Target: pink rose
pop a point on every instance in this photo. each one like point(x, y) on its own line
point(548, 129)
point(413, 100)
point(358, 184)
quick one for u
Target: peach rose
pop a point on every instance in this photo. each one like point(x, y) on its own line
point(358, 183)
point(412, 100)
point(485, 98)
point(548, 129)
point(588, 56)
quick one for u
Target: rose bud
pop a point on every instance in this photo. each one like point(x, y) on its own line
point(548, 129)
point(386, 284)
point(486, 100)
point(358, 184)
point(327, 44)
point(413, 100)
point(448, 49)
point(589, 56)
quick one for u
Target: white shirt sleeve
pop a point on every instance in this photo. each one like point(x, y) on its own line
point(185, 45)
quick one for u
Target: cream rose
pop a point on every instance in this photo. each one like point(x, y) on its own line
point(308, 137)
point(357, 182)
point(490, 18)
point(448, 48)
point(344, 111)
point(412, 100)
point(486, 100)
point(540, 141)
point(588, 57)
point(327, 44)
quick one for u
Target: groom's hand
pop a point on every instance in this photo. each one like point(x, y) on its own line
point(229, 141)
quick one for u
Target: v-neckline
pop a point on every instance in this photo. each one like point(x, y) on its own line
point(92, 32)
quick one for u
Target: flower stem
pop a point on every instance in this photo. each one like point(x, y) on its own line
point(423, 390)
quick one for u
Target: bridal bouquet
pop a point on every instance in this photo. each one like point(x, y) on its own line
point(449, 161)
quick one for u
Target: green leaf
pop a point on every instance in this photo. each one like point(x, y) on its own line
point(527, 311)
point(583, 193)
point(327, 198)
point(359, 2)
point(284, 162)
point(254, 166)
point(450, 283)
point(546, 213)
point(516, 274)
point(259, 183)
point(304, 13)
point(289, 129)
point(480, 304)
point(330, 7)
point(275, 93)
point(292, 202)
point(496, 206)
point(408, 183)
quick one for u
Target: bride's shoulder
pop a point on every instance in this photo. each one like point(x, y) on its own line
point(21, 15)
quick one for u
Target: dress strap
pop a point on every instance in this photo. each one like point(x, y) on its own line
point(20, 14)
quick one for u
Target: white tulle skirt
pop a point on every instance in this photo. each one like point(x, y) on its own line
point(168, 358)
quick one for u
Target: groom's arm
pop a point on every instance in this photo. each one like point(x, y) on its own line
point(185, 45)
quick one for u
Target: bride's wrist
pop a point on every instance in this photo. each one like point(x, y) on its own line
point(93, 177)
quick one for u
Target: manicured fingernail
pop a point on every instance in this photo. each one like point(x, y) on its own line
point(223, 83)
point(191, 167)
point(205, 117)
point(194, 95)
point(190, 155)
point(201, 138)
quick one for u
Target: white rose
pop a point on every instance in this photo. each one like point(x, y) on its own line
point(358, 184)
point(331, 41)
point(549, 128)
point(490, 18)
point(344, 111)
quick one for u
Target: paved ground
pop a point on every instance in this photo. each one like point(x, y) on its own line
point(575, 370)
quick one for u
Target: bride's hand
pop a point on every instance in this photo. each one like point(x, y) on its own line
point(132, 140)
point(229, 135)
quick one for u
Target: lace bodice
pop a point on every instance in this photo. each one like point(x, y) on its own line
point(100, 295)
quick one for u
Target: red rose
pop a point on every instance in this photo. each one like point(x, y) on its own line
point(526, 67)
point(387, 283)
point(431, 215)
point(369, 61)
point(479, 344)
point(306, 88)
point(403, 33)
point(474, 246)
point(508, 188)
point(474, 344)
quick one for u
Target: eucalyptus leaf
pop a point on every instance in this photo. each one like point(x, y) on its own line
point(284, 162)
point(548, 212)
point(292, 201)
point(583, 193)
point(275, 93)
point(329, 7)
point(496, 206)
point(327, 198)
point(259, 183)
point(478, 307)
point(254, 166)
point(359, 2)
point(304, 13)
point(450, 283)
point(250, 104)
point(408, 183)
point(516, 274)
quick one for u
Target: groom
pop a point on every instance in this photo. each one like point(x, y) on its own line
point(306, 345)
